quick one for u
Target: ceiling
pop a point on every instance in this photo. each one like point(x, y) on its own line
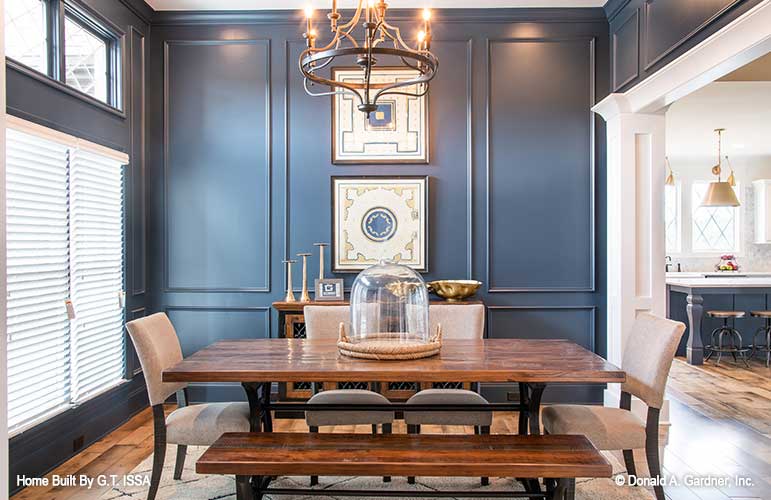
point(742, 108)
point(324, 4)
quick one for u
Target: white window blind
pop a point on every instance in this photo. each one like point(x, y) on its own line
point(65, 243)
point(96, 273)
point(38, 281)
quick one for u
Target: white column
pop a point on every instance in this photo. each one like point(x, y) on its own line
point(635, 224)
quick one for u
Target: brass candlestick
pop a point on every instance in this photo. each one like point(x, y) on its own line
point(304, 297)
point(289, 292)
point(321, 258)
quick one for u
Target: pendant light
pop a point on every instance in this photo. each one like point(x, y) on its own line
point(720, 193)
point(671, 176)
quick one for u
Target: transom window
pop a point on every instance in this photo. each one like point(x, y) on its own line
point(63, 40)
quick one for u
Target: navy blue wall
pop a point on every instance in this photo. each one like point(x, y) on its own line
point(648, 34)
point(36, 98)
point(239, 170)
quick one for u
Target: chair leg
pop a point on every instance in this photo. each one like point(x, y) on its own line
point(652, 449)
point(387, 429)
point(412, 429)
point(159, 450)
point(180, 464)
point(314, 479)
point(629, 462)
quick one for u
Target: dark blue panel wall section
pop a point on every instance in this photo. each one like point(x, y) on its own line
point(517, 169)
point(648, 34)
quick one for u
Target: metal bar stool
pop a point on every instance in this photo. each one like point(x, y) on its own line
point(726, 339)
point(766, 330)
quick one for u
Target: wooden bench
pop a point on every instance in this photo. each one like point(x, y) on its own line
point(255, 458)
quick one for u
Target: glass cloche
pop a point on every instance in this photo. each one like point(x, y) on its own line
point(389, 301)
point(389, 316)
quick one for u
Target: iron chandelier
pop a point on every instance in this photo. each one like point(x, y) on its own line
point(380, 39)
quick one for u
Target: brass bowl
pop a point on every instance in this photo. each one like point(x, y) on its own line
point(454, 290)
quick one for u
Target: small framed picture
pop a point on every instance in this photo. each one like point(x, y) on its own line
point(330, 289)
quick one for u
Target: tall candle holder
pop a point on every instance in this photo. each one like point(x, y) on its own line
point(289, 292)
point(304, 296)
point(321, 258)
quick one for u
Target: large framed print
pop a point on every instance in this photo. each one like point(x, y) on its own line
point(379, 217)
point(397, 132)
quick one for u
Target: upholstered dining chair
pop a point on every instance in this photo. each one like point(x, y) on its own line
point(323, 322)
point(457, 322)
point(157, 347)
point(647, 360)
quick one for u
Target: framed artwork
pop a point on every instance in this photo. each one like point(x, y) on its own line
point(379, 217)
point(329, 289)
point(397, 132)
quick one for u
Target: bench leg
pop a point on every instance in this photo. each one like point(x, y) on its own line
point(483, 429)
point(387, 429)
point(565, 490)
point(314, 479)
point(244, 488)
point(412, 429)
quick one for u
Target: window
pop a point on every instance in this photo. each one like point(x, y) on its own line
point(672, 218)
point(26, 33)
point(713, 229)
point(67, 43)
point(65, 246)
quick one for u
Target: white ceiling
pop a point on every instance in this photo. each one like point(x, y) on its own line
point(324, 4)
point(742, 108)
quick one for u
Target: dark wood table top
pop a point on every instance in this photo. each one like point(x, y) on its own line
point(489, 360)
point(295, 454)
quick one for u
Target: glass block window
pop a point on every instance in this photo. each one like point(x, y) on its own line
point(25, 33)
point(714, 229)
point(672, 217)
point(86, 58)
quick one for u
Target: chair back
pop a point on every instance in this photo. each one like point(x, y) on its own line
point(323, 322)
point(458, 321)
point(157, 347)
point(648, 357)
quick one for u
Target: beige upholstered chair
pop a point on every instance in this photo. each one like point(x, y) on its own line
point(323, 322)
point(647, 360)
point(458, 322)
point(158, 348)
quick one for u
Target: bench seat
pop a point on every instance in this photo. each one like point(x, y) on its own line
point(300, 454)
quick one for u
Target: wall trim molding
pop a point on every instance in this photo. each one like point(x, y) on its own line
point(266, 288)
point(613, 50)
point(263, 309)
point(294, 17)
point(651, 60)
point(141, 161)
point(592, 323)
point(592, 285)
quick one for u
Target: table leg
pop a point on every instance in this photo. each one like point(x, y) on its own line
point(265, 416)
point(244, 488)
point(253, 395)
point(566, 489)
point(523, 409)
point(534, 408)
point(694, 347)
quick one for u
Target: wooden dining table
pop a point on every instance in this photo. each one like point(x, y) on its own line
point(532, 364)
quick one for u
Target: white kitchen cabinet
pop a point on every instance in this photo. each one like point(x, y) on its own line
point(762, 188)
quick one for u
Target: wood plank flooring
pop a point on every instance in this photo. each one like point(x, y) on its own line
point(721, 424)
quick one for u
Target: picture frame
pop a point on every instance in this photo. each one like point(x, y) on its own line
point(379, 217)
point(329, 290)
point(397, 133)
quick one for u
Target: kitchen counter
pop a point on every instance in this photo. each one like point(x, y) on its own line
point(734, 291)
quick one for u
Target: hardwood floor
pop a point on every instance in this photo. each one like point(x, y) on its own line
point(721, 426)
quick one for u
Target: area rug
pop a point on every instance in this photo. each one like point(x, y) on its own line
point(194, 486)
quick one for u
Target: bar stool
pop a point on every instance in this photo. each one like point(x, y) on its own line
point(766, 330)
point(726, 339)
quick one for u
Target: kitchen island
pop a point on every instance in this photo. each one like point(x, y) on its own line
point(741, 292)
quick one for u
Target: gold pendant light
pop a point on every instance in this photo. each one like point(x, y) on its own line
point(720, 193)
point(671, 176)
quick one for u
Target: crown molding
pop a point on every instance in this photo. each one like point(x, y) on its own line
point(141, 9)
point(555, 15)
point(613, 8)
